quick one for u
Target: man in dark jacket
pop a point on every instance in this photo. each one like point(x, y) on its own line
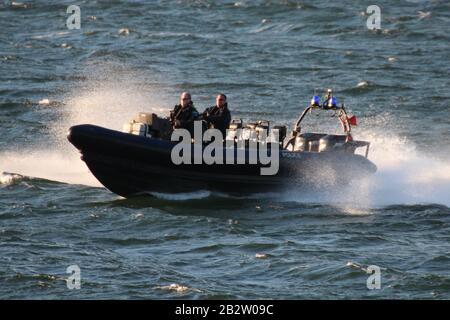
point(218, 116)
point(184, 114)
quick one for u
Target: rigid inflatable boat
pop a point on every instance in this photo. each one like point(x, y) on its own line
point(140, 158)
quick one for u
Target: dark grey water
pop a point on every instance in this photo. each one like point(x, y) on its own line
point(268, 57)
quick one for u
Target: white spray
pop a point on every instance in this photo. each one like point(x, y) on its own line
point(108, 96)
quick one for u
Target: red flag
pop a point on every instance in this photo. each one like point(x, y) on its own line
point(352, 120)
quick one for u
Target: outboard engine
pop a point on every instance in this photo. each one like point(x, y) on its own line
point(332, 142)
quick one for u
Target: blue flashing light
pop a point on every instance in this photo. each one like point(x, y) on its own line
point(315, 101)
point(332, 102)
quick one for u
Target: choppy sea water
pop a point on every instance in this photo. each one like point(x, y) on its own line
point(269, 57)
